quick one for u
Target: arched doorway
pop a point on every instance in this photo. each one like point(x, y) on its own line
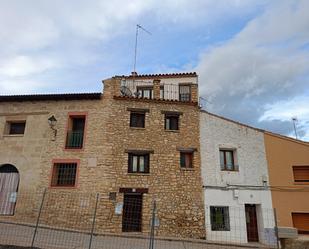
point(9, 180)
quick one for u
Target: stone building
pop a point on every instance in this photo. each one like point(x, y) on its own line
point(135, 143)
point(238, 201)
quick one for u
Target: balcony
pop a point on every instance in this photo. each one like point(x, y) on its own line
point(74, 140)
point(155, 89)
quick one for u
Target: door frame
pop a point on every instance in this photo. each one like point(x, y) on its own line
point(140, 218)
point(252, 215)
point(7, 207)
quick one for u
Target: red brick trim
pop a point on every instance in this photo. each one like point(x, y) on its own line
point(77, 161)
point(76, 114)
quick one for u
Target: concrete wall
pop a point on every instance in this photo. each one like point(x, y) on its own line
point(282, 154)
point(24, 151)
point(248, 143)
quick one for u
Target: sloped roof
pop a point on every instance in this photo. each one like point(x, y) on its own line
point(45, 97)
point(165, 75)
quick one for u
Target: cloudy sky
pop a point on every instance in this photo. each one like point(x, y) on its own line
point(252, 57)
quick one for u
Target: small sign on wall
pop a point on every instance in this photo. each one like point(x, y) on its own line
point(118, 208)
point(92, 162)
point(13, 197)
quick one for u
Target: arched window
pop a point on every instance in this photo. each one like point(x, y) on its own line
point(9, 180)
point(8, 168)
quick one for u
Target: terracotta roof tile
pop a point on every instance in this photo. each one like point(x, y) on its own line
point(164, 75)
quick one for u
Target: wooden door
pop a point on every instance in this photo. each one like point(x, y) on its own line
point(9, 180)
point(301, 222)
point(132, 212)
point(251, 223)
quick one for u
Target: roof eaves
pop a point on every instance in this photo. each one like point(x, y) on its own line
point(54, 97)
point(233, 121)
point(167, 75)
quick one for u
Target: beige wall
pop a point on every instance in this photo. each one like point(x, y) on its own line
point(283, 153)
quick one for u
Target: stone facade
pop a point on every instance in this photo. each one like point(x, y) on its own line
point(103, 160)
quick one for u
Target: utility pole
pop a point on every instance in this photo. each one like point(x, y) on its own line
point(294, 119)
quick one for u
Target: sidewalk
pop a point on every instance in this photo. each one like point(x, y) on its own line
point(21, 235)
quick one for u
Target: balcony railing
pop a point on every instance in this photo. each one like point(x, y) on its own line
point(145, 89)
point(75, 139)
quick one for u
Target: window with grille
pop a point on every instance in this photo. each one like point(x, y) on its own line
point(219, 217)
point(64, 175)
point(138, 163)
point(137, 119)
point(16, 127)
point(171, 122)
point(301, 173)
point(186, 159)
point(227, 161)
point(185, 93)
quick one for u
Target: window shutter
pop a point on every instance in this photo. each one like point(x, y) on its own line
point(182, 160)
point(301, 173)
point(130, 163)
point(146, 161)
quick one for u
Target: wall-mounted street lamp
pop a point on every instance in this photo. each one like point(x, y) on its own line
point(52, 121)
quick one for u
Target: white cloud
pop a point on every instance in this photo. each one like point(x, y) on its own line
point(242, 77)
point(286, 110)
point(261, 65)
point(24, 65)
point(37, 37)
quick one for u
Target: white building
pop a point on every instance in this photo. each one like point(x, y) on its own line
point(238, 203)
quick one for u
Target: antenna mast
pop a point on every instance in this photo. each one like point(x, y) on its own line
point(135, 51)
point(294, 119)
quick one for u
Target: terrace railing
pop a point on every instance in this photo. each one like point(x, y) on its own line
point(145, 89)
point(75, 139)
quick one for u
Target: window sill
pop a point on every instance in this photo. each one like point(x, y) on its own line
point(62, 187)
point(229, 170)
point(175, 131)
point(13, 135)
point(138, 174)
point(137, 128)
point(301, 183)
point(187, 169)
point(74, 149)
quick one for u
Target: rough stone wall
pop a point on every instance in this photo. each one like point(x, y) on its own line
point(178, 192)
point(249, 149)
point(295, 243)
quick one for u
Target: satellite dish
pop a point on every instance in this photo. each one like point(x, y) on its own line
point(125, 91)
point(137, 94)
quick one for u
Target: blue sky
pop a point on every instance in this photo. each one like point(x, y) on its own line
point(251, 56)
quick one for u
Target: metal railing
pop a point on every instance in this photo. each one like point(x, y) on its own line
point(66, 219)
point(144, 89)
point(75, 139)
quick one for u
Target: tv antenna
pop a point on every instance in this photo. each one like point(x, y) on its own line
point(294, 119)
point(138, 27)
